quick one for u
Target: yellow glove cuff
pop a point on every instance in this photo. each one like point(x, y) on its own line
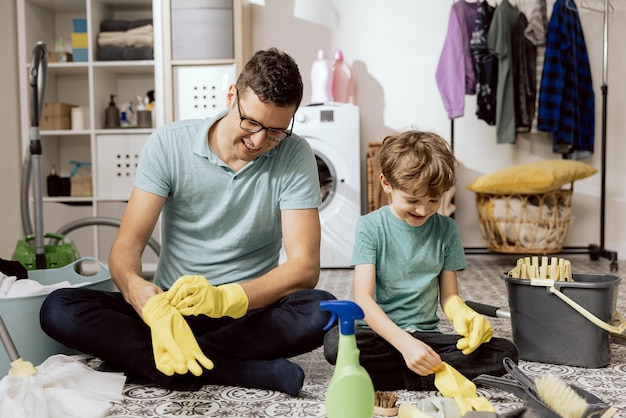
point(237, 301)
point(452, 305)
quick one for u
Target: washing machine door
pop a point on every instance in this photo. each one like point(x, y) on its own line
point(340, 208)
point(327, 177)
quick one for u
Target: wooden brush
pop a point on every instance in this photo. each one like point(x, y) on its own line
point(566, 402)
point(385, 404)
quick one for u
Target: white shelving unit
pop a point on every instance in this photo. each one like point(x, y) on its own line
point(114, 152)
point(111, 152)
point(185, 80)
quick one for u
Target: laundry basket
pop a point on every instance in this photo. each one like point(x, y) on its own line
point(525, 223)
point(21, 314)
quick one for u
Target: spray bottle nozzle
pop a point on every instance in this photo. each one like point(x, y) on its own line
point(346, 310)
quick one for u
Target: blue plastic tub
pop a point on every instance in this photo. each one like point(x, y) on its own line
point(80, 55)
point(21, 314)
point(80, 25)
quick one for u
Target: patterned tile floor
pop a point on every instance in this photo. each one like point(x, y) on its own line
point(479, 282)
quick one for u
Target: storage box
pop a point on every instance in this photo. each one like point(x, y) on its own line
point(21, 314)
point(55, 123)
point(117, 158)
point(57, 109)
point(202, 29)
point(80, 25)
point(548, 330)
point(59, 56)
point(79, 40)
point(80, 54)
point(80, 186)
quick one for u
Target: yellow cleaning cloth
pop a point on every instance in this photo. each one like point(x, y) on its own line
point(453, 384)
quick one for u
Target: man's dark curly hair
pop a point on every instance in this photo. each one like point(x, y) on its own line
point(274, 77)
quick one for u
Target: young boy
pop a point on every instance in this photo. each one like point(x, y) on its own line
point(406, 256)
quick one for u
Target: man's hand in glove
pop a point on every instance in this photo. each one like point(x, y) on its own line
point(474, 328)
point(195, 295)
point(174, 346)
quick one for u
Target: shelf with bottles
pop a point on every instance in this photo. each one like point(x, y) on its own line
point(130, 91)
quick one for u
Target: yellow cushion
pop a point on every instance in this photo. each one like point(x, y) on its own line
point(537, 177)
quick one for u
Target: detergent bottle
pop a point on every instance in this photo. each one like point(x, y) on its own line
point(321, 79)
point(343, 83)
point(350, 392)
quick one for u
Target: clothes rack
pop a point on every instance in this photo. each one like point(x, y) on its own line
point(595, 251)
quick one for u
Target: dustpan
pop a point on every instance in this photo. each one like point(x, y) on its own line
point(61, 387)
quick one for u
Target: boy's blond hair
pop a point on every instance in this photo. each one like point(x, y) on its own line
point(413, 160)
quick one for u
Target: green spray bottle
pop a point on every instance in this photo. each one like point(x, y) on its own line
point(350, 392)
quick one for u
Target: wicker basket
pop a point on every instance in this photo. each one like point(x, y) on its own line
point(525, 223)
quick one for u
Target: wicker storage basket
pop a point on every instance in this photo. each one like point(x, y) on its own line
point(525, 223)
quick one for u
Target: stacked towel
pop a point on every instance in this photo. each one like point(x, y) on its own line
point(134, 38)
point(126, 40)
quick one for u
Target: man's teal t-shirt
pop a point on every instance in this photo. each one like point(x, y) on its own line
point(408, 262)
point(216, 222)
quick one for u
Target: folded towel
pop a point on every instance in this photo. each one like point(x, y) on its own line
point(28, 287)
point(139, 37)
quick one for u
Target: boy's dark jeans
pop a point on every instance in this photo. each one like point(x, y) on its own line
point(388, 370)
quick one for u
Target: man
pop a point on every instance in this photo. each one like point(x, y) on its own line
point(231, 190)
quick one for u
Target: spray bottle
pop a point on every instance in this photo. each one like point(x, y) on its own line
point(350, 392)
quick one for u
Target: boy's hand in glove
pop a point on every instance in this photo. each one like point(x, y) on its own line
point(195, 295)
point(474, 328)
point(174, 346)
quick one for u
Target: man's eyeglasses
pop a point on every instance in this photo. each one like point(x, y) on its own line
point(252, 126)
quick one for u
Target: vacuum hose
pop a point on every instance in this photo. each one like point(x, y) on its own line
point(80, 223)
point(38, 73)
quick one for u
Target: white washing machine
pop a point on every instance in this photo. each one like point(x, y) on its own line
point(333, 132)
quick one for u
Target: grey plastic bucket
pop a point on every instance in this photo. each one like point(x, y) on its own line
point(548, 330)
point(21, 314)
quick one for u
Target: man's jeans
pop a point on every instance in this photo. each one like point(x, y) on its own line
point(104, 325)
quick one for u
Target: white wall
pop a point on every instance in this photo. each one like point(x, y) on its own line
point(10, 141)
point(394, 49)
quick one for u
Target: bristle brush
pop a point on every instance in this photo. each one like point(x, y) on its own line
point(566, 402)
point(386, 404)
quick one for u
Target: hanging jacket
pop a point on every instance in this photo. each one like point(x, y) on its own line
point(523, 65)
point(485, 65)
point(499, 41)
point(566, 97)
point(536, 32)
point(455, 71)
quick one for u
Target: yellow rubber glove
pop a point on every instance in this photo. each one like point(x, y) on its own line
point(453, 384)
point(174, 346)
point(474, 327)
point(195, 295)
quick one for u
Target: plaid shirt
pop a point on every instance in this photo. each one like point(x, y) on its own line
point(566, 98)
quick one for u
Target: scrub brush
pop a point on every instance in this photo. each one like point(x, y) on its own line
point(386, 404)
point(566, 402)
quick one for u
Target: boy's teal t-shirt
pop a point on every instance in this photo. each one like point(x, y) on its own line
point(408, 262)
